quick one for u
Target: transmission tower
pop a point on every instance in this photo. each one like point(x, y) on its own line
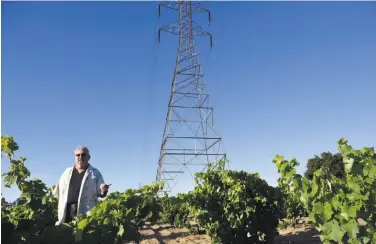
point(190, 139)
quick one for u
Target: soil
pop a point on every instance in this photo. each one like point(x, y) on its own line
point(302, 233)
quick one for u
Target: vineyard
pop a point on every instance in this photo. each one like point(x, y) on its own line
point(226, 206)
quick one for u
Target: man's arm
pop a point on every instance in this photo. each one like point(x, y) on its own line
point(56, 191)
point(100, 182)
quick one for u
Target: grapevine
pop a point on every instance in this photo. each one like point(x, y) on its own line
point(230, 206)
point(342, 210)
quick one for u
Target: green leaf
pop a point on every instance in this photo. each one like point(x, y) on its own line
point(305, 185)
point(366, 240)
point(107, 221)
point(121, 231)
point(312, 217)
point(328, 212)
point(333, 230)
point(344, 149)
point(349, 162)
point(357, 196)
point(282, 168)
point(278, 160)
point(44, 200)
point(368, 181)
point(366, 170)
point(352, 228)
point(372, 172)
point(324, 212)
point(335, 202)
point(315, 188)
point(8, 145)
point(353, 185)
point(348, 211)
point(82, 224)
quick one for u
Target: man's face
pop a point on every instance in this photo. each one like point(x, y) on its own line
point(81, 157)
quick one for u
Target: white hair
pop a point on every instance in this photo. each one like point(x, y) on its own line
point(85, 149)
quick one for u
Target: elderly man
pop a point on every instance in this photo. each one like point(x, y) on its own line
point(79, 187)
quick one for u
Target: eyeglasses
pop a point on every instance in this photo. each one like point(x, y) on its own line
point(82, 155)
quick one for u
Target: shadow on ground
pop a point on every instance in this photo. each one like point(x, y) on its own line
point(166, 234)
point(309, 236)
point(162, 233)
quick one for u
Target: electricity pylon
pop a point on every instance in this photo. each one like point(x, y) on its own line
point(190, 139)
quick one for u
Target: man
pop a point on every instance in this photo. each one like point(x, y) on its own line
point(79, 187)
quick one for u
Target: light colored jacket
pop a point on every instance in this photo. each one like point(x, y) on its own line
point(89, 191)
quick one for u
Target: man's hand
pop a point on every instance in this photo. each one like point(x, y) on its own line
point(104, 187)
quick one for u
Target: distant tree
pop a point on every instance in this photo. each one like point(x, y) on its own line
point(334, 162)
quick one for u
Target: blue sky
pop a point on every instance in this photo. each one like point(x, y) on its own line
point(286, 78)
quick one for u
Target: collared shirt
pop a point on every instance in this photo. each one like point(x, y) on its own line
point(88, 194)
point(75, 186)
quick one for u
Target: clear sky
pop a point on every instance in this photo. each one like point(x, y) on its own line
point(287, 78)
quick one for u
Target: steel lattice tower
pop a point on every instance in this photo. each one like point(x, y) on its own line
point(190, 139)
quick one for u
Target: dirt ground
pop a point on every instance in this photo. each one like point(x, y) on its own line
point(302, 233)
point(155, 234)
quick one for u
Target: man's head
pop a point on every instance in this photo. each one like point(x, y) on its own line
point(82, 156)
